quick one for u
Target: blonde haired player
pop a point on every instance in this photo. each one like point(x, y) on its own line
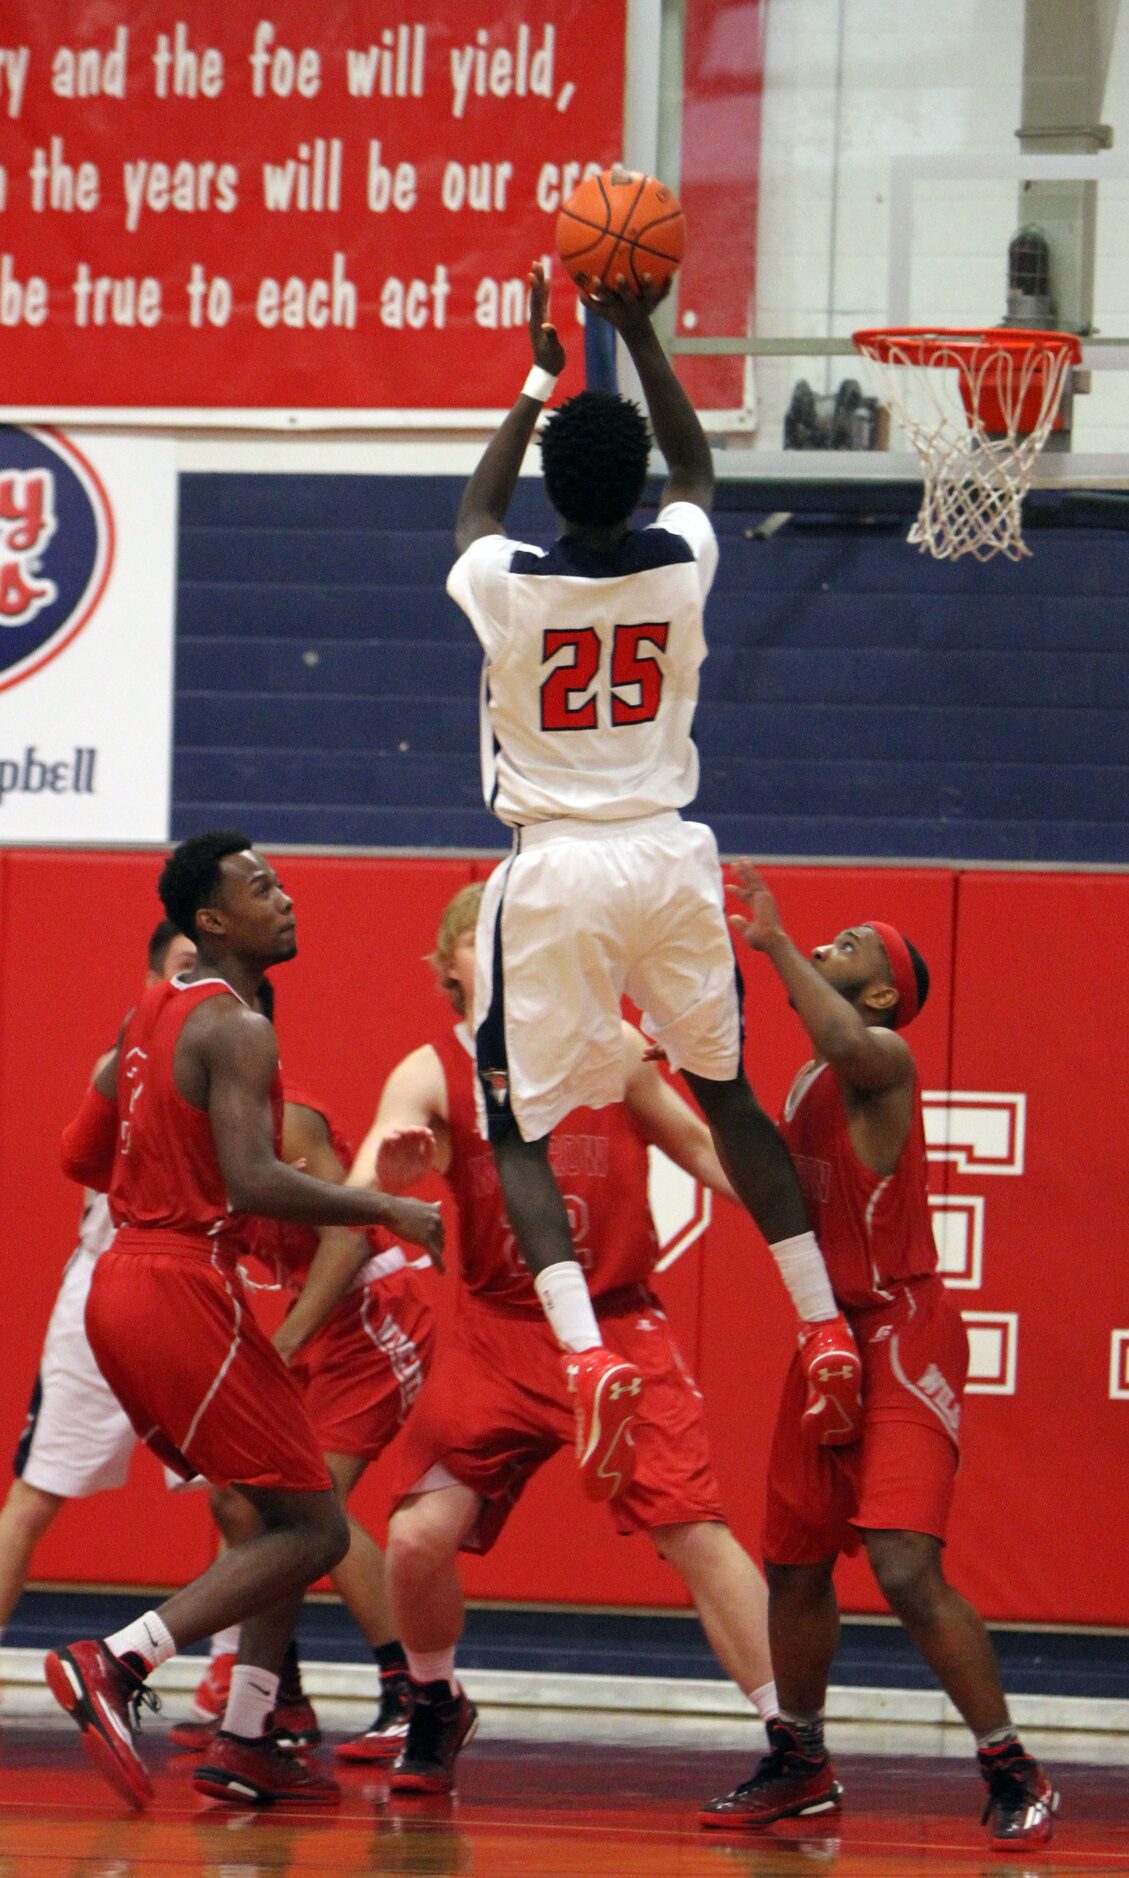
point(496, 1407)
point(592, 651)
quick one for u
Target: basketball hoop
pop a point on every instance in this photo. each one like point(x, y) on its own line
point(978, 449)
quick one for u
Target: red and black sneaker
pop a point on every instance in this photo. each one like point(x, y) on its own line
point(606, 1389)
point(1021, 1803)
point(833, 1368)
point(103, 1696)
point(384, 1740)
point(442, 1722)
point(786, 1784)
point(260, 1773)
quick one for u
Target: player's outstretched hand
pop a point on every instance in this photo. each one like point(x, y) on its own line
point(404, 1156)
point(628, 312)
point(420, 1223)
point(548, 351)
point(764, 924)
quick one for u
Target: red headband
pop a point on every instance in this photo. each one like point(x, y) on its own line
point(901, 971)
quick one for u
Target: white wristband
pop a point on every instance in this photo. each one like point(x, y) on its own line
point(540, 385)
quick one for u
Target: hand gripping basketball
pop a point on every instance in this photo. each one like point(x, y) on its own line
point(833, 1368)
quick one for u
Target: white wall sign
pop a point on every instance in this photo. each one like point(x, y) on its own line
point(87, 579)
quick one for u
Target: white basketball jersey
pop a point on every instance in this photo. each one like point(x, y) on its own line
point(590, 680)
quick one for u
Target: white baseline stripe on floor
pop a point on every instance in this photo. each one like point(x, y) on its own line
point(22, 1672)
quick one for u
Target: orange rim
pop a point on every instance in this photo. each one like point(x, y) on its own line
point(937, 345)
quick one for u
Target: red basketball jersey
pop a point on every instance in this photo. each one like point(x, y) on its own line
point(282, 1245)
point(600, 1160)
point(873, 1229)
point(167, 1174)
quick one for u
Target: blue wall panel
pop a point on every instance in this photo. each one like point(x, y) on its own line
point(860, 699)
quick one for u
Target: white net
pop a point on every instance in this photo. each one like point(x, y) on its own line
point(978, 408)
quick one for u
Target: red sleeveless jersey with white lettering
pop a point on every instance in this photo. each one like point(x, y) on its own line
point(600, 1160)
point(167, 1174)
point(873, 1229)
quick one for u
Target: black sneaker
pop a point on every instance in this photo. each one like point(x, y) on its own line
point(1021, 1803)
point(441, 1723)
point(384, 1740)
point(786, 1783)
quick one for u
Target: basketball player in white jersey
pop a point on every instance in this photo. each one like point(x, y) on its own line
point(590, 682)
point(78, 1439)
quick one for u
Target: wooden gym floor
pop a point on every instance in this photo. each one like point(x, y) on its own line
point(541, 1796)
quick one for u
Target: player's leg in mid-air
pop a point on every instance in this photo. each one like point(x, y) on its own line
point(548, 1041)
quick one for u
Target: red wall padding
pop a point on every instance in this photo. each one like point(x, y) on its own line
point(1028, 973)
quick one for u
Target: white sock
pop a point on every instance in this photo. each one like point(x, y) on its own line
point(226, 1642)
point(432, 1666)
point(800, 1264)
point(996, 1737)
point(565, 1300)
point(254, 1693)
point(764, 1700)
point(147, 1638)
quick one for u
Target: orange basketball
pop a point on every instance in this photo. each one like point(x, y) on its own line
point(621, 225)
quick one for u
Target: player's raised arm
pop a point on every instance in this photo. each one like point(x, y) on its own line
point(487, 495)
point(408, 1137)
point(677, 428)
point(866, 1056)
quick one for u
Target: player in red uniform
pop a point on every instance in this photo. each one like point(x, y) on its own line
point(193, 1097)
point(853, 1122)
point(496, 1406)
point(358, 1340)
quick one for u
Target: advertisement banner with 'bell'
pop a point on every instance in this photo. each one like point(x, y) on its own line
point(87, 569)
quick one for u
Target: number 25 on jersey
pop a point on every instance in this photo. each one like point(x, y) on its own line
point(568, 701)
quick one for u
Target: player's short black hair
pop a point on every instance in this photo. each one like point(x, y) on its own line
point(594, 453)
point(190, 877)
point(160, 939)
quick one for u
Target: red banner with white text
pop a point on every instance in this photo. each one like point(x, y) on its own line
point(326, 204)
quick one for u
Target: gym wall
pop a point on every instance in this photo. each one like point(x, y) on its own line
point(1019, 1061)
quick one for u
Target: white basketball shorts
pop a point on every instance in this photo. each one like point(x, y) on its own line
point(78, 1438)
point(581, 915)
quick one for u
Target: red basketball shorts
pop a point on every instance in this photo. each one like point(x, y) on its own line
point(177, 1342)
point(362, 1371)
point(496, 1407)
point(900, 1476)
